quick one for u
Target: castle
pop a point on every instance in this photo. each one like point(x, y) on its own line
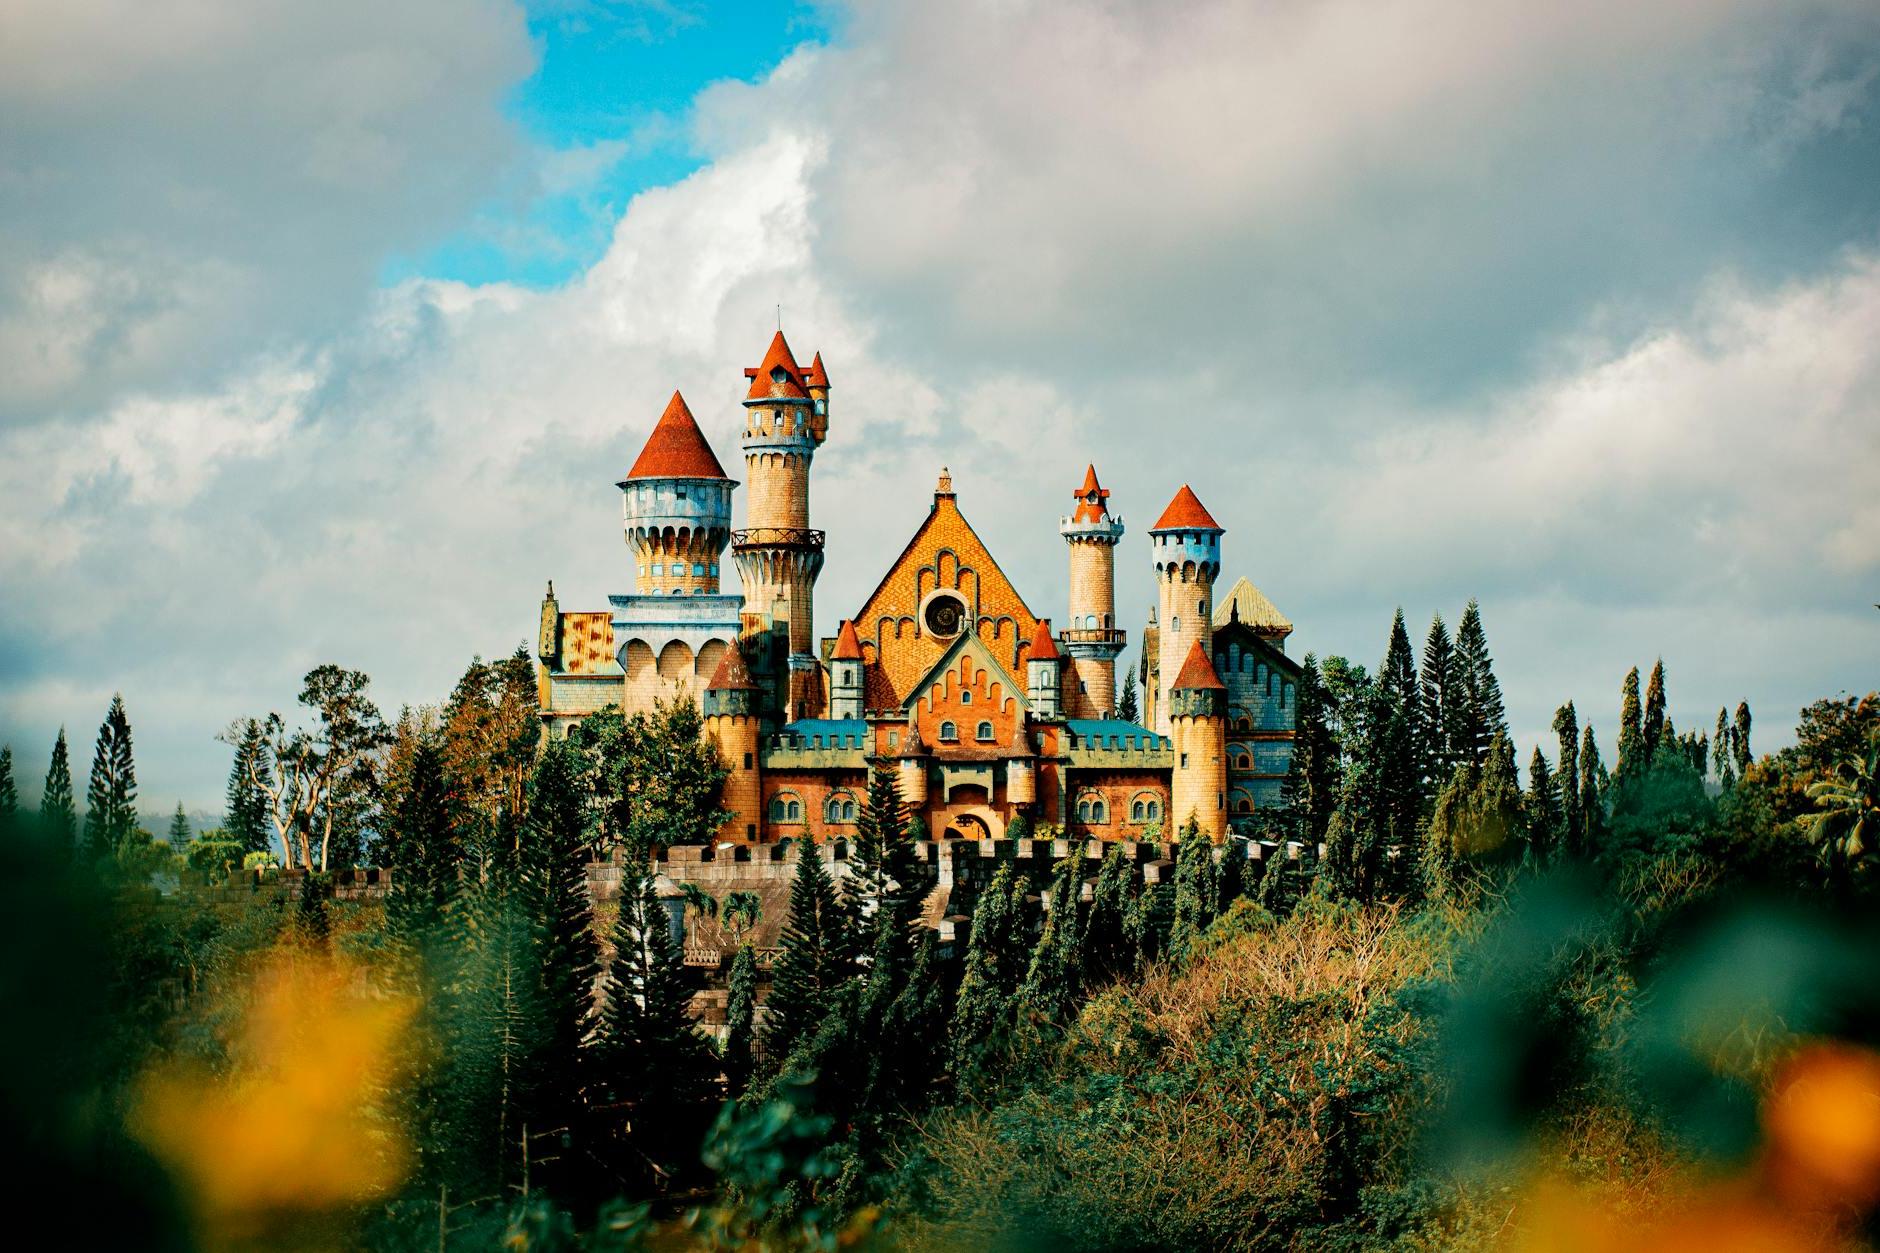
point(944, 674)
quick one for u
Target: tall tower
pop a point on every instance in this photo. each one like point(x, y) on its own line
point(676, 504)
point(1198, 729)
point(731, 718)
point(786, 419)
point(1091, 637)
point(845, 674)
point(1044, 680)
point(1187, 543)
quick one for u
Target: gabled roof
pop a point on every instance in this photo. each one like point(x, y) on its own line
point(778, 376)
point(1248, 604)
point(1186, 513)
point(965, 642)
point(848, 646)
point(1197, 672)
point(732, 675)
point(816, 376)
point(676, 449)
point(1043, 647)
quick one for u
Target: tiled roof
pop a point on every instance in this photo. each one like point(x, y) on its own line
point(676, 449)
point(1186, 513)
point(1197, 672)
point(1090, 498)
point(1250, 605)
point(1043, 647)
point(587, 643)
point(765, 381)
point(848, 647)
point(816, 376)
point(732, 675)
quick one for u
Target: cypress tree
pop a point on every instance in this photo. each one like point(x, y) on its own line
point(1546, 827)
point(1485, 717)
point(1720, 755)
point(1052, 982)
point(1312, 777)
point(58, 814)
point(554, 883)
point(1448, 836)
point(246, 822)
point(1592, 803)
point(9, 795)
point(1400, 766)
point(1442, 710)
point(180, 834)
point(1502, 829)
point(885, 882)
point(740, 1020)
point(111, 796)
point(1631, 728)
point(1126, 705)
point(815, 960)
point(1739, 739)
point(1567, 727)
point(991, 974)
point(1652, 727)
point(424, 855)
point(1196, 892)
point(1106, 947)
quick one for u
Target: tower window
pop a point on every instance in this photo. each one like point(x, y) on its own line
point(682, 493)
point(983, 732)
point(658, 569)
point(1175, 624)
point(747, 761)
point(966, 698)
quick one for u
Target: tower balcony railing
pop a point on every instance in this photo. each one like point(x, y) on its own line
point(777, 537)
point(1093, 635)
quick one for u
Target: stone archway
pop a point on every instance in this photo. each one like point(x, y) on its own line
point(972, 824)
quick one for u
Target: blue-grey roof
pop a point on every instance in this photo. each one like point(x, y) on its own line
point(1110, 733)
point(828, 732)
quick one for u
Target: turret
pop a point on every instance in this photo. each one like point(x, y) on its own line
point(1187, 544)
point(676, 504)
point(1043, 678)
point(913, 768)
point(732, 718)
point(547, 646)
point(845, 674)
point(1198, 730)
point(779, 555)
point(1091, 636)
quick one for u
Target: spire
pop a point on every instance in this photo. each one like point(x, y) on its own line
point(676, 449)
point(1043, 647)
point(816, 376)
point(911, 745)
point(848, 644)
point(732, 674)
point(778, 376)
point(1090, 499)
point(945, 486)
point(1186, 513)
point(1197, 672)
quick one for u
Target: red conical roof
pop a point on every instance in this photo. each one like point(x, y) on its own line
point(816, 376)
point(732, 675)
point(1186, 513)
point(1197, 672)
point(676, 449)
point(1090, 498)
point(764, 384)
point(848, 645)
point(1043, 647)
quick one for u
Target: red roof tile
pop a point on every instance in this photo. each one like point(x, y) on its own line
point(764, 383)
point(1090, 498)
point(848, 645)
point(1186, 513)
point(676, 449)
point(1043, 647)
point(732, 675)
point(1197, 672)
point(816, 376)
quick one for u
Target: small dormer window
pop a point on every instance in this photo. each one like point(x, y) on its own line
point(966, 698)
point(983, 733)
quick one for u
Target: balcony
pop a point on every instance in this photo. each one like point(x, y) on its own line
point(1094, 635)
point(777, 537)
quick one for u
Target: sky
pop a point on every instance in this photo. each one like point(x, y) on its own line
point(326, 327)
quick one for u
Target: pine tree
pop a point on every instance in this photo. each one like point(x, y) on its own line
point(180, 833)
point(9, 795)
point(1592, 801)
point(1652, 727)
point(1313, 776)
point(554, 883)
point(1739, 739)
point(1721, 755)
point(885, 882)
point(815, 960)
point(58, 814)
point(991, 974)
point(1631, 729)
point(246, 822)
point(1053, 980)
point(654, 1059)
point(1126, 705)
point(1572, 822)
point(425, 856)
point(1545, 824)
point(1196, 892)
point(1502, 829)
point(1442, 720)
point(111, 797)
point(1400, 764)
point(740, 1020)
point(1106, 947)
point(1447, 837)
point(1484, 718)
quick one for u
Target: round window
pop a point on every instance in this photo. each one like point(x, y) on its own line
point(945, 614)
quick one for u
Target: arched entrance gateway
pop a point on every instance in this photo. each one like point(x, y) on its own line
point(967, 827)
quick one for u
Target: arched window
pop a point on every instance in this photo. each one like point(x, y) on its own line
point(1175, 625)
point(1092, 808)
point(785, 807)
point(949, 733)
point(1243, 803)
point(1145, 807)
point(966, 698)
point(983, 732)
point(1135, 810)
point(1242, 760)
point(839, 808)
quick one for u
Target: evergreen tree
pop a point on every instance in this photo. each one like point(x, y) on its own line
point(1053, 980)
point(886, 880)
point(740, 1020)
point(1126, 705)
point(1592, 799)
point(180, 834)
point(1448, 832)
point(1652, 727)
point(1106, 947)
point(1400, 764)
point(1477, 819)
point(554, 883)
point(1442, 716)
point(654, 1059)
point(991, 974)
point(1196, 892)
point(815, 959)
point(246, 821)
point(1545, 822)
point(1721, 755)
point(1572, 822)
point(1502, 830)
point(1739, 739)
point(111, 797)
point(1354, 842)
point(424, 856)
point(1631, 728)
point(658, 777)
point(9, 795)
point(1313, 775)
point(58, 814)
point(1484, 717)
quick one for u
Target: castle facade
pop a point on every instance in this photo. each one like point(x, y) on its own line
point(944, 675)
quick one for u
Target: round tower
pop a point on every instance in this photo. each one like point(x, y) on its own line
point(1187, 544)
point(845, 674)
point(913, 769)
point(778, 554)
point(676, 505)
point(1091, 636)
point(1044, 682)
point(732, 718)
point(1198, 729)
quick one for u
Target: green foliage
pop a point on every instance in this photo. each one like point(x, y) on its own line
point(740, 1020)
point(1019, 828)
point(657, 776)
point(111, 796)
point(423, 850)
point(1196, 892)
point(816, 958)
point(1312, 780)
point(555, 893)
point(777, 1167)
point(58, 814)
point(1846, 819)
point(1108, 952)
point(1546, 825)
point(1631, 727)
point(9, 794)
point(1573, 836)
point(1652, 725)
point(886, 880)
point(180, 832)
point(1127, 708)
point(1054, 977)
point(1395, 740)
point(246, 816)
point(1484, 717)
point(993, 969)
point(1443, 727)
